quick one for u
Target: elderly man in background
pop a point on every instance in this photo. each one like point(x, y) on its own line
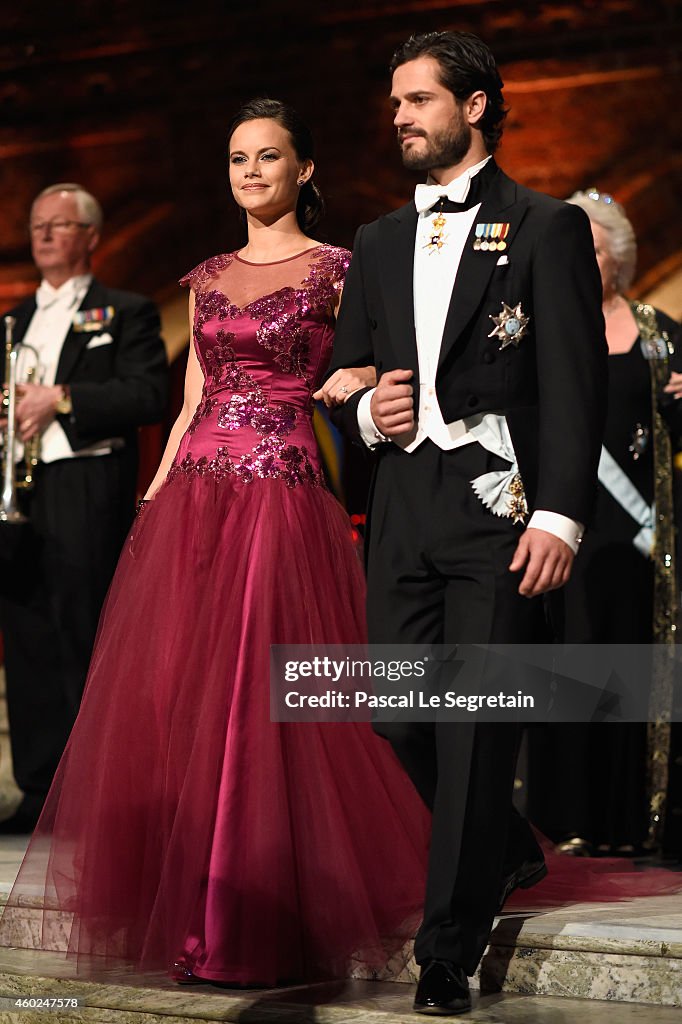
point(103, 373)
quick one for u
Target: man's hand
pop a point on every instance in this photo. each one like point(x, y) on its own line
point(548, 561)
point(36, 408)
point(392, 404)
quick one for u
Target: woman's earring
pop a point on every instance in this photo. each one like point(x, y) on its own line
point(301, 181)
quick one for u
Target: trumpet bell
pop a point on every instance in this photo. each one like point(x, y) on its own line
point(9, 510)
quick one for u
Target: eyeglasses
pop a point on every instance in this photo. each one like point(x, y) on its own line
point(57, 225)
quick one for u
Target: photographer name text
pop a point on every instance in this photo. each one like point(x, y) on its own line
point(411, 699)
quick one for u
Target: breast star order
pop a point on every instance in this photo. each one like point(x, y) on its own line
point(510, 325)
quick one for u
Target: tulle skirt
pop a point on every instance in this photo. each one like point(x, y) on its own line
point(183, 823)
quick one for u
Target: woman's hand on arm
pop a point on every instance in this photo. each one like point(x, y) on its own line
point(343, 383)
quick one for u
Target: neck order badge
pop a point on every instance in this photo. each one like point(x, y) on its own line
point(437, 238)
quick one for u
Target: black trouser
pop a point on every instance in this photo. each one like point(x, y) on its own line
point(438, 573)
point(51, 594)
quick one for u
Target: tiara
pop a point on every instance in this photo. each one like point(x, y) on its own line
point(600, 197)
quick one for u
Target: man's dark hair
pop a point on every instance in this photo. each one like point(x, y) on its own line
point(466, 65)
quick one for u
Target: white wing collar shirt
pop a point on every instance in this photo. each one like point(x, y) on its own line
point(434, 279)
point(46, 333)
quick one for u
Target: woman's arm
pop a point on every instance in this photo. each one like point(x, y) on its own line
point(342, 383)
point(194, 382)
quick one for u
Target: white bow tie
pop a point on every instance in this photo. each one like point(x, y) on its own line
point(426, 196)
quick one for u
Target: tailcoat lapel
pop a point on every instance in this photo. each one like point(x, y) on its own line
point(476, 266)
point(75, 341)
point(396, 269)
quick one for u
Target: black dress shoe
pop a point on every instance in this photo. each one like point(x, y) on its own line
point(527, 874)
point(443, 990)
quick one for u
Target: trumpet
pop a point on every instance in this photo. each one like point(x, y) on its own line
point(9, 507)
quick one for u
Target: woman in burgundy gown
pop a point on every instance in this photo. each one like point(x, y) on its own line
point(184, 827)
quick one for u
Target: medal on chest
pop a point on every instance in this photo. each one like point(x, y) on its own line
point(95, 319)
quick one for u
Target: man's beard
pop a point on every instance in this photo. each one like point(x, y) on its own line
point(443, 149)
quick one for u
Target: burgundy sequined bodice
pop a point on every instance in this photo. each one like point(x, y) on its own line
point(263, 334)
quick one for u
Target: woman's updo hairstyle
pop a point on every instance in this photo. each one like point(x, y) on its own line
point(310, 207)
point(603, 209)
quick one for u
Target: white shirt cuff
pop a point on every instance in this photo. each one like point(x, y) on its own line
point(567, 530)
point(368, 431)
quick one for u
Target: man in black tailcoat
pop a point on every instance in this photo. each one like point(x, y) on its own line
point(103, 373)
point(480, 305)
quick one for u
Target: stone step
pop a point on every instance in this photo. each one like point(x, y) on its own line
point(29, 980)
point(629, 961)
point(628, 952)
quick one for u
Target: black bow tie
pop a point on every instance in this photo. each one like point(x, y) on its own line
point(477, 189)
point(445, 205)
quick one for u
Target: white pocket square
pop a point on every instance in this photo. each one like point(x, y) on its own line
point(503, 259)
point(99, 339)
